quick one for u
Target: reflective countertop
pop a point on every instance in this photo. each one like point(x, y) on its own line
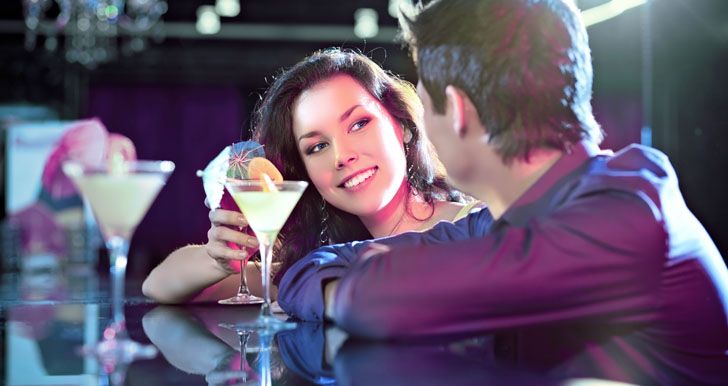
point(47, 317)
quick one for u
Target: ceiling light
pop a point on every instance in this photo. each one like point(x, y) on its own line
point(608, 10)
point(227, 8)
point(366, 23)
point(208, 22)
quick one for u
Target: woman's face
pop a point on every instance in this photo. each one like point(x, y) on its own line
point(351, 146)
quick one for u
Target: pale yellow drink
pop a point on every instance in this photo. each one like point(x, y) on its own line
point(266, 212)
point(119, 201)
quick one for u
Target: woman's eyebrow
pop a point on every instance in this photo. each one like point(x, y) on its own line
point(348, 112)
point(343, 117)
point(309, 135)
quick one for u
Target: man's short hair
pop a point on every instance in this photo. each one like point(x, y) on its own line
point(525, 65)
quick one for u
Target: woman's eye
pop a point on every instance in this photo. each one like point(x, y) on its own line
point(360, 124)
point(315, 148)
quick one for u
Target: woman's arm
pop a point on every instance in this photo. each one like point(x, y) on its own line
point(186, 272)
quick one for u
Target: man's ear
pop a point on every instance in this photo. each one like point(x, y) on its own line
point(455, 99)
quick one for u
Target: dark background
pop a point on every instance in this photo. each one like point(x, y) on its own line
point(660, 65)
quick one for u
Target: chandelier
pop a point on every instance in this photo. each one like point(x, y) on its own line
point(94, 30)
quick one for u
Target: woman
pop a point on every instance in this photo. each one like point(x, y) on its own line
point(349, 128)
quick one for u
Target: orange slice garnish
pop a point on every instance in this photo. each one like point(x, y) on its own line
point(259, 166)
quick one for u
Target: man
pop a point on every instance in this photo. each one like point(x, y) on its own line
point(576, 234)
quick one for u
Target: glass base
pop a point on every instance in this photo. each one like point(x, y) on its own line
point(242, 299)
point(261, 325)
point(115, 355)
point(119, 350)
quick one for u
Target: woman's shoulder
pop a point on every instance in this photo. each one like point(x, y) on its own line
point(467, 208)
point(454, 211)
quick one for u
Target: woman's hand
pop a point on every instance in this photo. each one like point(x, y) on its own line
point(230, 239)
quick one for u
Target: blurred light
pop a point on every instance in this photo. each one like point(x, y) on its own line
point(394, 8)
point(646, 136)
point(227, 8)
point(608, 10)
point(396, 5)
point(111, 12)
point(83, 24)
point(208, 22)
point(366, 23)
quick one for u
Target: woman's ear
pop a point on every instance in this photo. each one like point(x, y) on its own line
point(455, 100)
point(407, 137)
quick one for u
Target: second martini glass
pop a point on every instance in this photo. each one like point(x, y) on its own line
point(266, 206)
point(120, 196)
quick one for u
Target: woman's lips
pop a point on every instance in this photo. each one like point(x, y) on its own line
point(358, 180)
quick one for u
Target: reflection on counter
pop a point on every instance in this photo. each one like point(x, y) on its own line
point(200, 345)
point(223, 354)
point(44, 340)
point(321, 354)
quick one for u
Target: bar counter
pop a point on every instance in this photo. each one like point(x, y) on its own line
point(47, 317)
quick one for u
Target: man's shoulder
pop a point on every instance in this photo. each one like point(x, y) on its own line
point(636, 164)
point(640, 158)
point(635, 170)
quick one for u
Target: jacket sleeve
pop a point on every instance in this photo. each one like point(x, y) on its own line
point(300, 292)
point(600, 256)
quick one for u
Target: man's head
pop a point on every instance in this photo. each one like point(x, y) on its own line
point(522, 66)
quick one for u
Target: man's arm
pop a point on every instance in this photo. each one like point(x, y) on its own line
point(599, 256)
point(302, 288)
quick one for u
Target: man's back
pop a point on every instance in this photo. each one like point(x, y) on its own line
point(602, 240)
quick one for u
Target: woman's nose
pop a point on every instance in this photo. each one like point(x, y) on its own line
point(344, 156)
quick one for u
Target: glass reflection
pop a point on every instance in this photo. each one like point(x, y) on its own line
point(224, 353)
point(240, 372)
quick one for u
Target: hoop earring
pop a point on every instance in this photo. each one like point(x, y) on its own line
point(324, 237)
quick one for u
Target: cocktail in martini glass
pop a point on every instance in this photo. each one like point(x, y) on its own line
point(266, 205)
point(120, 194)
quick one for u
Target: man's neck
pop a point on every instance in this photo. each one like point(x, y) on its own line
point(506, 183)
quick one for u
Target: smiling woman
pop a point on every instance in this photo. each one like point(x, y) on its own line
point(351, 129)
point(356, 161)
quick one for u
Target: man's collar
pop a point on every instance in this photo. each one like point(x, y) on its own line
point(557, 175)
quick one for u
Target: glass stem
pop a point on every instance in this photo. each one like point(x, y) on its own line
point(266, 240)
point(243, 289)
point(118, 249)
point(266, 341)
point(243, 351)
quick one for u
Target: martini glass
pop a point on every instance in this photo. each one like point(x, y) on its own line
point(212, 181)
point(266, 206)
point(120, 196)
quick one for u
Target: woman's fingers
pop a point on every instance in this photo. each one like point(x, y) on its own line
point(225, 234)
point(227, 217)
point(220, 251)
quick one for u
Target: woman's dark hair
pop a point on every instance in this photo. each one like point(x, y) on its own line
point(525, 65)
point(273, 128)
